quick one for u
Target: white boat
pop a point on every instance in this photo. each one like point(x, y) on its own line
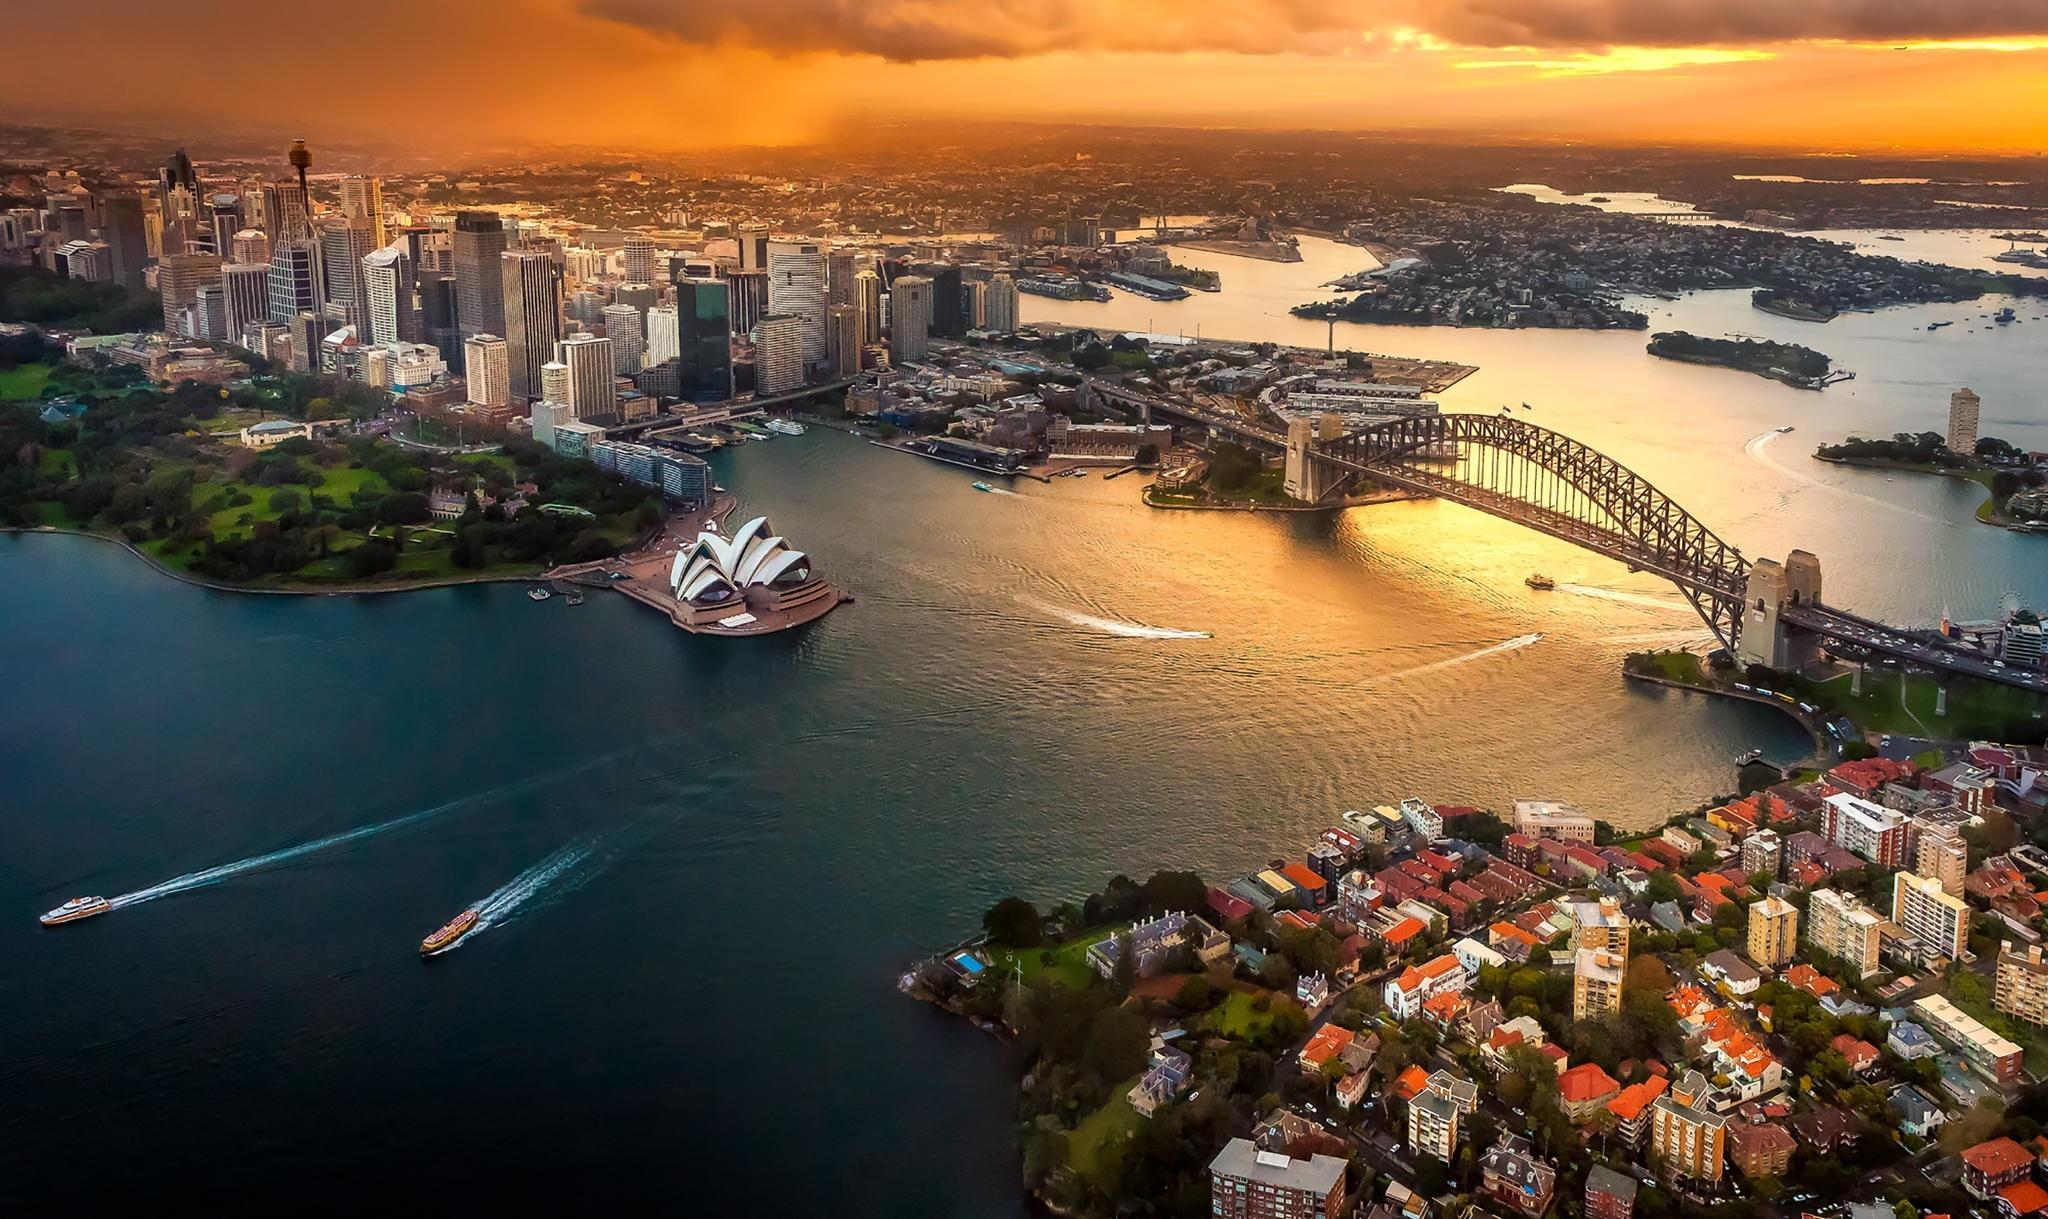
point(75, 909)
point(538, 594)
point(788, 427)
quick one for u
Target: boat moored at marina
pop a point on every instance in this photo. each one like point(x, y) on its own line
point(785, 427)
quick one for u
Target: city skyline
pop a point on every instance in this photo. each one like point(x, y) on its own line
point(1912, 75)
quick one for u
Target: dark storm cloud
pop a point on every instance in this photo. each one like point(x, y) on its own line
point(914, 30)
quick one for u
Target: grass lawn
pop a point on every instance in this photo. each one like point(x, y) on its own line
point(1681, 667)
point(57, 463)
point(1068, 965)
point(1975, 709)
point(24, 383)
point(1095, 1147)
point(1237, 1017)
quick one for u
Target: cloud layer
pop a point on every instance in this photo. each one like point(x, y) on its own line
point(918, 30)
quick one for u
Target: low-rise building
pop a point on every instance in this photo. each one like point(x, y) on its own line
point(1247, 1183)
point(1159, 944)
point(1760, 1149)
point(2022, 988)
point(1731, 971)
point(1989, 1054)
point(1512, 1176)
point(1584, 1091)
point(1406, 992)
point(1609, 1194)
point(1553, 819)
point(1991, 1166)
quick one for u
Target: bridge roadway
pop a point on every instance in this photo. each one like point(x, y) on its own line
point(731, 410)
point(1708, 588)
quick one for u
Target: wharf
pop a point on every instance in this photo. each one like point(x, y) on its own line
point(644, 578)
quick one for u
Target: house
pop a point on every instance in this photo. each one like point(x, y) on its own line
point(1909, 1041)
point(1522, 1031)
point(1350, 1090)
point(1812, 981)
point(1312, 991)
point(1475, 956)
point(1406, 993)
point(1991, 1166)
point(1919, 1115)
point(1461, 1092)
point(1160, 944)
point(1324, 1047)
point(1859, 1054)
point(1585, 1090)
point(1760, 1149)
point(1824, 1130)
point(1733, 973)
point(1512, 1176)
point(2022, 1199)
point(1163, 1080)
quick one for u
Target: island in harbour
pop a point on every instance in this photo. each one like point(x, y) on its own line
point(1798, 366)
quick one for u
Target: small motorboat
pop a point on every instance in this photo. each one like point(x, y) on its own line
point(980, 486)
point(538, 594)
point(1540, 581)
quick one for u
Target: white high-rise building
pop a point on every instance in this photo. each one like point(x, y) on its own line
point(554, 383)
point(639, 260)
point(387, 283)
point(486, 364)
point(622, 327)
point(778, 353)
point(664, 335)
point(910, 317)
point(365, 197)
point(753, 243)
point(796, 286)
point(250, 245)
point(593, 377)
point(343, 246)
point(1962, 420)
point(1002, 305)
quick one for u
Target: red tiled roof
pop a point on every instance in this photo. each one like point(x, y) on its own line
point(1585, 1082)
point(1328, 1042)
point(1403, 931)
point(2024, 1197)
point(1301, 874)
point(1998, 1156)
point(1411, 1083)
point(1635, 1098)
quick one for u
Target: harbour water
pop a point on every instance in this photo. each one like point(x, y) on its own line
point(1033, 691)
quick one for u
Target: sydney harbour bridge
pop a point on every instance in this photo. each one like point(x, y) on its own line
point(1762, 610)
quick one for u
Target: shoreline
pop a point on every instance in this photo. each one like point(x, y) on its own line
point(1820, 740)
point(336, 590)
point(1987, 512)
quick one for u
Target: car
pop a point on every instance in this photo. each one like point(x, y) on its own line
point(1998, 664)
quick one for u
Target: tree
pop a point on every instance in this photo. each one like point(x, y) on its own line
point(1013, 923)
point(1182, 891)
point(1430, 1176)
point(1195, 995)
point(370, 559)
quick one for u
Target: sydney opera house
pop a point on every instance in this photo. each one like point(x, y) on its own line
point(751, 583)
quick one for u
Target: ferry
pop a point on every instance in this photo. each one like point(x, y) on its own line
point(538, 594)
point(75, 909)
point(2003, 316)
point(457, 927)
point(1541, 581)
point(787, 427)
point(1785, 429)
point(575, 596)
point(982, 487)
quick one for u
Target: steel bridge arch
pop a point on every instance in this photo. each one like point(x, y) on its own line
point(1524, 473)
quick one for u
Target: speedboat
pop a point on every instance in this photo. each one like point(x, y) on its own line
point(75, 909)
point(1785, 429)
point(1541, 581)
point(444, 939)
point(982, 487)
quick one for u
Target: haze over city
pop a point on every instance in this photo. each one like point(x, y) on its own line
point(448, 75)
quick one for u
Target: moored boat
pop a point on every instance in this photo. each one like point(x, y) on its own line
point(787, 427)
point(538, 594)
point(75, 909)
point(457, 927)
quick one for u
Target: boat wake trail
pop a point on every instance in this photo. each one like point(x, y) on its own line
point(1757, 445)
point(1627, 598)
point(1113, 626)
point(220, 872)
point(1506, 645)
point(995, 490)
point(548, 874)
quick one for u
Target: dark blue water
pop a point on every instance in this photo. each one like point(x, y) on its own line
point(703, 1007)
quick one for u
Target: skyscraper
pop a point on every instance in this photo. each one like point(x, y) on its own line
point(592, 377)
point(867, 303)
point(778, 353)
point(910, 317)
point(977, 304)
point(532, 313)
point(486, 365)
point(344, 243)
point(179, 278)
point(622, 326)
point(639, 260)
point(664, 335)
point(554, 382)
point(1962, 421)
point(705, 338)
point(387, 286)
point(1001, 305)
point(479, 281)
point(293, 286)
point(842, 340)
point(1773, 932)
point(365, 197)
point(747, 298)
point(249, 245)
point(121, 227)
point(840, 268)
point(796, 286)
point(753, 243)
point(177, 174)
point(287, 214)
point(210, 312)
point(223, 220)
point(246, 289)
point(949, 319)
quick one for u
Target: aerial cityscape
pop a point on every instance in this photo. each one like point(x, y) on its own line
point(1388, 612)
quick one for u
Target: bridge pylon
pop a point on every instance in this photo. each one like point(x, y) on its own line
point(1307, 480)
point(1766, 639)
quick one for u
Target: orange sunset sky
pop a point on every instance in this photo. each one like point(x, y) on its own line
point(445, 75)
